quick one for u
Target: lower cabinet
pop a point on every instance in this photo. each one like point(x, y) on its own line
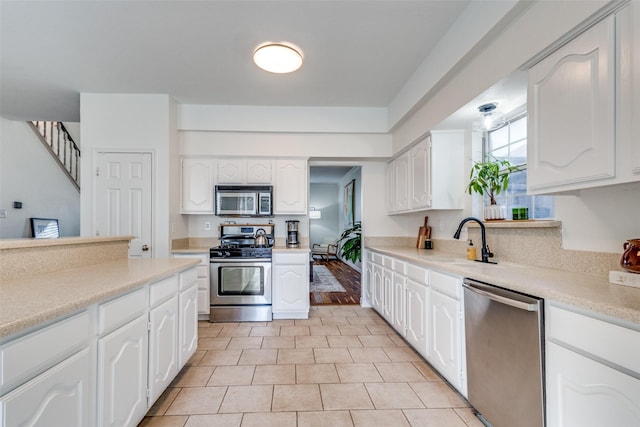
point(398, 294)
point(104, 366)
point(387, 294)
point(203, 281)
point(592, 370)
point(290, 286)
point(417, 302)
point(60, 396)
point(163, 346)
point(445, 337)
point(122, 374)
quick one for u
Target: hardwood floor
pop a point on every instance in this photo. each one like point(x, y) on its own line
point(348, 278)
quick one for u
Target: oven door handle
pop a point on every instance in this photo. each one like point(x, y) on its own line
point(240, 260)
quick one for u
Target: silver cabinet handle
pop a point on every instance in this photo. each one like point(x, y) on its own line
point(503, 300)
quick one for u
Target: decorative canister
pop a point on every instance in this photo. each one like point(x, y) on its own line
point(630, 260)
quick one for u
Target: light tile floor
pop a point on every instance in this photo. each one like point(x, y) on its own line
point(344, 366)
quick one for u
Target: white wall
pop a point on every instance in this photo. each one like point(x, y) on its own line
point(324, 197)
point(29, 174)
point(124, 122)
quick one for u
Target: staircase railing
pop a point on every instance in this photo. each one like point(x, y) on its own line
point(61, 146)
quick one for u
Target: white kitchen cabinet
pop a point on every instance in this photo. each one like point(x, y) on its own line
point(245, 171)
point(401, 189)
point(60, 396)
point(398, 294)
point(197, 185)
point(291, 187)
point(203, 281)
point(417, 304)
point(188, 309)
point(592, 370)
point(429, 175)
point(163, 346)
point(571, 107)
point(122, 374)
point(290, 286)
point(367, 283)
point(387, 292)
point(377, 293)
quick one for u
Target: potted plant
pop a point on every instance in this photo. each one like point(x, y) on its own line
point(349, 242)
point(491, 177)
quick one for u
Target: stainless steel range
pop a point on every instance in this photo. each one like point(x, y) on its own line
point(241, 274)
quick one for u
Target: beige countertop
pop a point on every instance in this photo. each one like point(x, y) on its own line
point(31, 301)
point(582, 291)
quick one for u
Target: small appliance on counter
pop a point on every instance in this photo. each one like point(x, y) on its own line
point(292, 234)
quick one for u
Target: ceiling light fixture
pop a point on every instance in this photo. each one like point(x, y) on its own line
point(491, 119)
point(278, 57)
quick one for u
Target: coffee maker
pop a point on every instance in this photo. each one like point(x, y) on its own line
point(292, 234)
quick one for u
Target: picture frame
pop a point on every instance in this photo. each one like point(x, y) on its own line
point(45, 228)
point(348, 211)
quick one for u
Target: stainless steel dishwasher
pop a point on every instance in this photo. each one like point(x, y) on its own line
point(505, 354)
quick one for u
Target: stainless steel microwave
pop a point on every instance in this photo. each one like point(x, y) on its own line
point(244, 200)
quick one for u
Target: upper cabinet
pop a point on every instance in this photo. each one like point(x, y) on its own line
point(245, 171)
point(291, 187)
point(429, 175)
point(581, 108)
point(197, 185)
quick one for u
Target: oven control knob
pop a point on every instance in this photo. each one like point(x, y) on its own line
point(227, 253)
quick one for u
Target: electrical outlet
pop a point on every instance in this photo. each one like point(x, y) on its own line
point(207, 226)
point(624, 278)
point(3, 213)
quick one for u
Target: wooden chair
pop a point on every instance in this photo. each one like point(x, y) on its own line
point(325, 250)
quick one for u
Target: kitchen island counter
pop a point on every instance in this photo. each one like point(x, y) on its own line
point(583, 291)
point(30, 301)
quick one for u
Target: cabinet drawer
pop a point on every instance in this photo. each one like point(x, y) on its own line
point(387, 262)
point(188, 278)
point(32, 354)
point(448, 285)
point(204, 258)
point(299, 258)
point(611, 342)
point(377, 258)
point(162, 290)
point(418, 274)
point(121, 310)
point(203, 271)
point(400, 267)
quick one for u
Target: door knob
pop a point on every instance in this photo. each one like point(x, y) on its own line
point(145, 247)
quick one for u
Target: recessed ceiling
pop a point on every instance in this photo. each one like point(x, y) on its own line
point(357, 53)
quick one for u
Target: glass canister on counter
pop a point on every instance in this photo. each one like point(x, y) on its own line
point(630, 260)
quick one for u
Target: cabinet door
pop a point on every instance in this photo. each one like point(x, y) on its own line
point(367, 286)
point(401, 183)
point(197, 185)
point(163, 347)
point(387, 298)
point(417, 297)
point(122, 374)
point(203, 280)
point(60, 396)
point(583, 392)
point(259, 171)
point(445, 337)
point(291, 289)
point(290, 190)
point(389, 188)
point(571, 105)
point(377, 293)
point(231, 171)
point(188, 335)
point(420, 174)
point(399, 301)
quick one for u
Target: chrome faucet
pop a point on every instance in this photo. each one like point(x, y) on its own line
point(486, 253)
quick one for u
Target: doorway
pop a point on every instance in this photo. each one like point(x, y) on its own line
point(334, 205)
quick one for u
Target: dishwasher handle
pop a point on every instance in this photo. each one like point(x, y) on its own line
point(522, 305)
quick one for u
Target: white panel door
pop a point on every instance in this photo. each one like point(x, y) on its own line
point(417, 301)
point(188, 335)
point(445, 340)
point(123, 199)
point(420, 175)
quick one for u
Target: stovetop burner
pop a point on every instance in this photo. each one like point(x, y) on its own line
point(240, 252)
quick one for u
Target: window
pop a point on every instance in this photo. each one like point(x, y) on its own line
point(510, 143)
